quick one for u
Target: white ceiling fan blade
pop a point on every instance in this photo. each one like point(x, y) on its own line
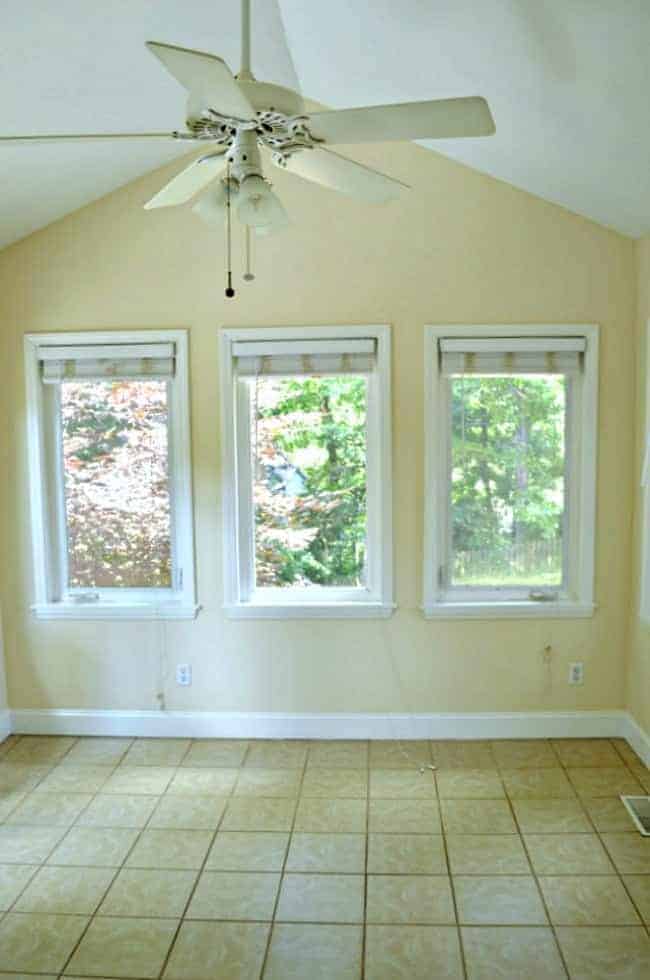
point(189, 181)
point(208, 79)
point(332, 170)
point(86, 137)
point(440, 119)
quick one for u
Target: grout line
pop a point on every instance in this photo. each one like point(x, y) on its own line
point(364, 924)
point(267, 948)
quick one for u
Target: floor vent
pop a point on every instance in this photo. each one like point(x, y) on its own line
point(639, 809)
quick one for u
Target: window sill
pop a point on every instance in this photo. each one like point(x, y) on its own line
point(522, 609)
point(312, 610)
point(100, 611)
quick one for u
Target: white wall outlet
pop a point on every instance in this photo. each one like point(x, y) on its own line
point(577, 673)
point(184, 674)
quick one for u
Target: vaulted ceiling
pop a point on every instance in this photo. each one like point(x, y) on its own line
point(567, 81)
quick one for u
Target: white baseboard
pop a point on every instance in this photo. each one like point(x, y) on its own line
point(212, 724)
point(638, 739)
point(5, 723)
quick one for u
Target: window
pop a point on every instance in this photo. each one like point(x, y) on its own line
point(510, 496)
point(306, 442)
point(110, 475)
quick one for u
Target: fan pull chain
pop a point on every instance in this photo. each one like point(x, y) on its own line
point(230, 292)
point(248, 275)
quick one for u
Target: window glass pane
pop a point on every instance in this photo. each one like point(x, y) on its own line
point(507, 480)
point(116, 483)
point(308, 448)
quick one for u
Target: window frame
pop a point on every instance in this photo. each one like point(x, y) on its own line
point(52, 599)
point(576, 598)
point(240, 599)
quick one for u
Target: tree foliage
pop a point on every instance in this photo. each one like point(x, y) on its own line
point(309, 459)
point(114, 441)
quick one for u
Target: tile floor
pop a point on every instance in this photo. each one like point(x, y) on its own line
point(235, 860)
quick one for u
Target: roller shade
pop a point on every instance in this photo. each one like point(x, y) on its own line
point(516, 355)
point(104, 362)
point(282, 358)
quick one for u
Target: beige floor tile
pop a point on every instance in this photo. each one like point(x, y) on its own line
point(68, 891)
point(38, 943)
point(477, 817)
point(414, 899)
point(463, 755)
point(406, 854)
point(13, 878)
point(39, 749)
point(49, 809)
point(396, 784)
point(234, 851)
point(258, 814)
point(97, 751)
point(203, 782)
point(576, 752)
point(603, 781)
point(399, 754)
point(268, 782)
point(567, 854)
point(609, 815)
point(184, 850)
point(149, 780)
point(639, 888)
point(9, 800)
point(107, 810)
point(320, 952)
point(486, 855)
point(334, 816)
point(75, 779)
point(551, 817)
point(20, 777)
point(8, 743)
point(321, 898)
point(588, 900)
point(499, 901)
point(218, 951)
point(234, 895)
point(338, 755)
point(642, 774)
point(188, 812)
point(606, 953)
point(524, 754)
point(157, 752)
point(629, 852)
point(412, 953)
point(155, 893)
point(277, 755)
point(626, 751)
point(511, 953)
point(469, 784)
point(94, 847)
point(335, 783)
point(404, 817)
point(536, 784)
point(327, 853)
point(114, 947)
point(216, 753)
point(28, 845)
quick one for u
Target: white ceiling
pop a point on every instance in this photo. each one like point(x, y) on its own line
point(567, 80)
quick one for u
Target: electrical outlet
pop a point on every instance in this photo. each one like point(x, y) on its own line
point(577, 673)
point(184, 674)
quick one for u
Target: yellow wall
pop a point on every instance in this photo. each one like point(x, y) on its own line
point(461, 248)
point(638, 673)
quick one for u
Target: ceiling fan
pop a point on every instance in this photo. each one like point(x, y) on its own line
point(238, 115)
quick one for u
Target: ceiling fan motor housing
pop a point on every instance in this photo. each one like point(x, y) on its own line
point(244, 156)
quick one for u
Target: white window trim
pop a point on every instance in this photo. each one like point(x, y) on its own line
point(579, 603)
point(346, 603)
point(644, 592)
point(179, 602)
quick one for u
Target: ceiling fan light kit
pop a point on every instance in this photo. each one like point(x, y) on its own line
point(239, 116)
